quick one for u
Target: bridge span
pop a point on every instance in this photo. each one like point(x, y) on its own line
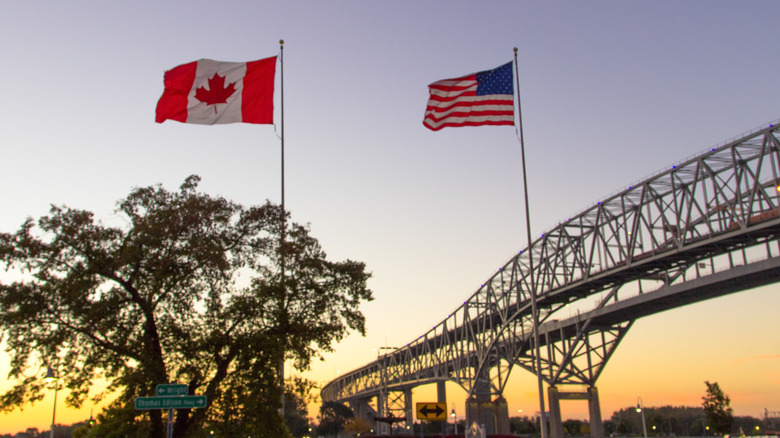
point(703, 228)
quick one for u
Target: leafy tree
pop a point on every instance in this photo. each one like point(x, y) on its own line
point(609, 427)
point(333, 416)
point(298, 394)
point(717, 409)
point(192, 289)
point(522, 425)
point(575, 427)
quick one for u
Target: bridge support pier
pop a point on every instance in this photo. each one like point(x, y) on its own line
point(492, 414)
point(441, 395)
point(362, 409)
point(594, 408)
point(408, 408)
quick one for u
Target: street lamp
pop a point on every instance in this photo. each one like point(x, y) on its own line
point(454, 420)
point(51, 376)
point(640, 408)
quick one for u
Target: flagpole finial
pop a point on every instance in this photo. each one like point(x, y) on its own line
point(281, 42)
point(515, 49)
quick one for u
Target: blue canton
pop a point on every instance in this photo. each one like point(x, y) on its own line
point(496, 81)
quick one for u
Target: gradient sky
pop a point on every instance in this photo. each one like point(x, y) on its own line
point(611, 91)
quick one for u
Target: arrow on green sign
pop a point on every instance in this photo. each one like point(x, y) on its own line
point(171, 389)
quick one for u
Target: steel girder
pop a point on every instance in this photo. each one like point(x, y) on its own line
point(710, 213)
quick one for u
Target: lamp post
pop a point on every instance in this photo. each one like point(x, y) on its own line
point(52, 376)
point(454, 420)
point(640, 408)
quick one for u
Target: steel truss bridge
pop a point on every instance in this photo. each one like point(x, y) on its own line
point(703, 228)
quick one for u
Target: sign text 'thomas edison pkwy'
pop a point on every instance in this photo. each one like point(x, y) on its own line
point(185, 402)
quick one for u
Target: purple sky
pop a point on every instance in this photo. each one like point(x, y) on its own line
point(611, 92)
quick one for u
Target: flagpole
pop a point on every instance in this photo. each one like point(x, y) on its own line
point(534, 308)
point(284, 227)
point(281, 65)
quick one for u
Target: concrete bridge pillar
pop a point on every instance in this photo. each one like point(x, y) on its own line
point(502, 415)
point(594, 408)
point(441, 396)
point(381, 411)
point(492, 414)
point(408, 408)
point(362, 409)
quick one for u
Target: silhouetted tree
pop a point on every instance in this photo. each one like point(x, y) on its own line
point(717, 409)
point(298, 394)
point(522, 425)
point(333, 416)
point(190, 288)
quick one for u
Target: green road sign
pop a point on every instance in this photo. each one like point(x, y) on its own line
point(171, 389)
point(183, 402)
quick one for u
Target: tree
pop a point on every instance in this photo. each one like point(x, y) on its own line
point(333, 416)
point(192, 289)
point(298, 395)
point(717, 409)
point(522, 425)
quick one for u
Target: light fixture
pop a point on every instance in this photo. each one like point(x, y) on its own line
point(50, 377)
point(640, 408)
point(454, 421)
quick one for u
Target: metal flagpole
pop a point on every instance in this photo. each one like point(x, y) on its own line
point(284, 226)
point(281, 66)
point(534, 308)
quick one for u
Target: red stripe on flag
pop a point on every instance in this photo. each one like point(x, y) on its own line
point(258, 94)
point(467, 123)
point(178, 83)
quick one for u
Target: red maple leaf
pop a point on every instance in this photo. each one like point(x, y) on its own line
point(217, 92)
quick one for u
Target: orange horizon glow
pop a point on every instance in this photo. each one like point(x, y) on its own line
point(664, 359)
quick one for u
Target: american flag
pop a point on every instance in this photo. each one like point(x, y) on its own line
point(484, 98)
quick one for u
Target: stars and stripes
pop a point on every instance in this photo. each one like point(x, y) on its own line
point(484, 98)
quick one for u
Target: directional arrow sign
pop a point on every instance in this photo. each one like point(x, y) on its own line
point(185, 402)
point(432, 411)
point(171, 389)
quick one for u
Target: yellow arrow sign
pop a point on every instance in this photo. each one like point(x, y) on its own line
point(432, 411)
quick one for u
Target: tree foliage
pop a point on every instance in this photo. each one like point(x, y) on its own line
point(333, 417)
point(667, 420)
point(716, 404)
point(523, 425)
point(190, 289)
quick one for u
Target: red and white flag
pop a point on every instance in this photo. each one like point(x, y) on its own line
point(209, 92)
point(484, 98)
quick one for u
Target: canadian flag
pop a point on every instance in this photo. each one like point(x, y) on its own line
point(209, 92)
